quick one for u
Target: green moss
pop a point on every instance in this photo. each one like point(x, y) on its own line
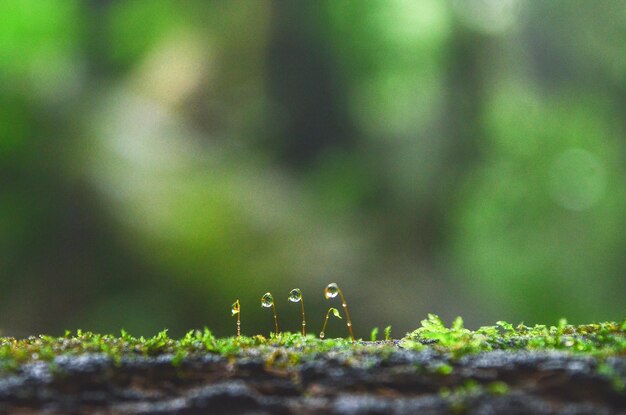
point(444, 369)
point(618, 382)
point(599, 339)
point(388, 333)
point(374, 334)
point(498, 388)
point(459, 395)
point(15, 352)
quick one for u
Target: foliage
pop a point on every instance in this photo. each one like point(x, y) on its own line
point(388, 333)
point(374, 334)
point(14, 352)
point(601, 339)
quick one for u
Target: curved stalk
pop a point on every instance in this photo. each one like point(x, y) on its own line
point(236, 309)
point(303, 319)
point(331, 291)
point(275, 319)
point(268, 301)
point(295, 296)
point(335, 313)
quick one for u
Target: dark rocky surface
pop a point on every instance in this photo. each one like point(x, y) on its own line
point(390, 382)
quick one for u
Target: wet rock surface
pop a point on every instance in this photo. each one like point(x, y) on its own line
point(393, 381)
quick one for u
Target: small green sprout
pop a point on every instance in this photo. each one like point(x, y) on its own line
point(268, 301)
point(295, 296)
point(331, 291)
point(236, 309)
point(374, 334)
point(335, 313)
point(388, 333)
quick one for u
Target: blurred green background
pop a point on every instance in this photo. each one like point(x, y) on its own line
point(159, 159)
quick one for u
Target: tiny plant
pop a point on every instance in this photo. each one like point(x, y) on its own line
point(374, 334)
point(388, 333)
point(236, 309)
point(268, 301)
point(335, 313)
point(295, 296)
point(331, 291)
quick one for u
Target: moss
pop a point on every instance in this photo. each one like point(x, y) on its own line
point(374, 334)
point(388, 333)
point(16, 352)
point(444, 369)
point(498, 388)
point(618, 382)
point(600, 339)
point(459, 396)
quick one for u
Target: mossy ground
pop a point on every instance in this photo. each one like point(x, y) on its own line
point(435, 369)
point(599, 339)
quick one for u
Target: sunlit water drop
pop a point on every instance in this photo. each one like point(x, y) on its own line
point(295, 295)
point(235, 308)
point(331, 290)
point(267, 300)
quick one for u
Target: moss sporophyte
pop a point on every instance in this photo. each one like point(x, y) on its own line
point(599, 340)
point(236, 309)
point(295, 296)
point(268, 301)
point(335, 312)
point(604, 341)
point(331, 291)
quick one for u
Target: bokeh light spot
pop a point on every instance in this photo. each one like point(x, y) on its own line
point(577, 179)
point(488, 16)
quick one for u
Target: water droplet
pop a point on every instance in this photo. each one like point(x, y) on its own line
point(267, 300)
point(331, 290)
point(235, 308)
point(295, 295)
point(321, 335)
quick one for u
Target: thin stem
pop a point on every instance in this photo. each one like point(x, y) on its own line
point(303, 319)
point(275, 318)
point(236, 309)
point(239, 324)
point(345, 309)
point(325, 323)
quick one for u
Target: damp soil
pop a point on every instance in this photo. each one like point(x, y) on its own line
point(389, 381)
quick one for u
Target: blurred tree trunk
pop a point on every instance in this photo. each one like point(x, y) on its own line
point(304, 85)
